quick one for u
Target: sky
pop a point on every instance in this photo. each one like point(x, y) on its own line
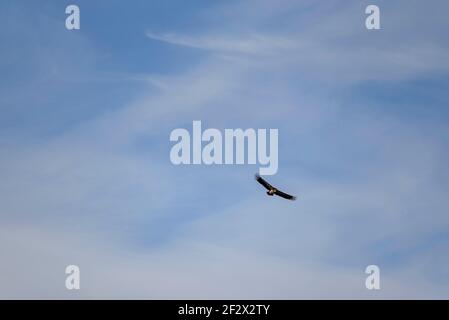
point(86, 178)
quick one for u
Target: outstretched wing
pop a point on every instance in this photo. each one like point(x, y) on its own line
point(263, 182)
point(284, 195)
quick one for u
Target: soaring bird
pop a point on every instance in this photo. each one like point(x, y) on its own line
point(272, 190)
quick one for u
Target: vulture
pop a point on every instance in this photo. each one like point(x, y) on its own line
point(272, 190)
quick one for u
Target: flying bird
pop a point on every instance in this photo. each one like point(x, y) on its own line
point(272, 190)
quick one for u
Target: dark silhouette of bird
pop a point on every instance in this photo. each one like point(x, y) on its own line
point(272, 190)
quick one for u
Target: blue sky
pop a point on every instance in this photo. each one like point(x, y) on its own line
point(86, 179)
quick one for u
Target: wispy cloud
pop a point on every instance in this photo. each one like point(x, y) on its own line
point(251, 44)
point(327, 47)
point(372, 183)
